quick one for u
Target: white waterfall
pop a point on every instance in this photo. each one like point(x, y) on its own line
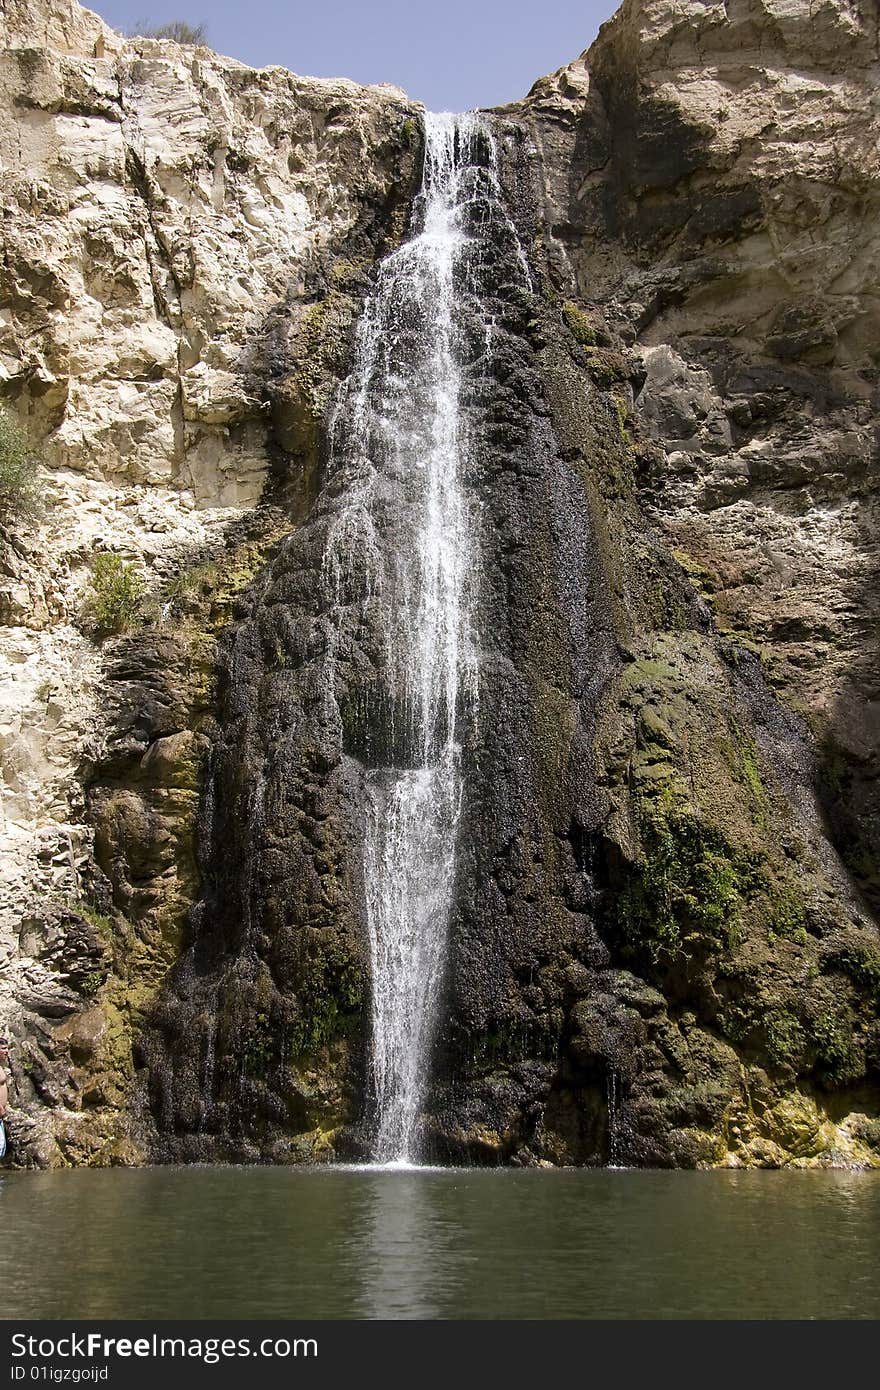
point(400, 547)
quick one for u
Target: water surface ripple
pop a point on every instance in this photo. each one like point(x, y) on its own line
point(427, 1243)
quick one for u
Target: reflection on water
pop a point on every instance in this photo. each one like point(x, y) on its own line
point(361, 1243)
point(400, 1231)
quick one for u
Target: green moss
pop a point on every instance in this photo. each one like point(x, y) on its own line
point(787, 914)
point(684, 896)
point(409, 131)
point(741, 755)
point(623, 417)
point(260, 1046)
point(320, 338)
point(838, 1060)
point(663, 608)
point(784, 1037)
point(749, 770)
point(330, 996)
point(703, 579)
point(650, 672)
point(859, 959)
point(608, 370)
point(547, 292)
point(578, 324)
point(603, 374)
point(343, 271)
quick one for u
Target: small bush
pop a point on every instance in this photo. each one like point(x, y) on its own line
point(177, 30)
point(20, 491)
point(117, 594)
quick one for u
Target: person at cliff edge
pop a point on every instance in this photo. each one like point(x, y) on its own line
point(5, 1076)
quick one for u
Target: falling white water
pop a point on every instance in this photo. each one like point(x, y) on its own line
point(400, 549)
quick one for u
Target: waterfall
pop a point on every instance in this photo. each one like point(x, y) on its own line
point(400, 551)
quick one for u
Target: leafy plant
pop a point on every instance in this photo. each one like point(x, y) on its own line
point(20, 492)
point(117, 595)
point(98, 919)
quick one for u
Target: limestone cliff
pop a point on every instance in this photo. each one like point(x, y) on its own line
point(664, 943)
point(159, 203)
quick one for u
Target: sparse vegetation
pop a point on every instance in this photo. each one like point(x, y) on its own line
point(177, 30)
point(578, 324)
point(117, 595)
point(99, 920)
point(198, 579)
point(20, 492)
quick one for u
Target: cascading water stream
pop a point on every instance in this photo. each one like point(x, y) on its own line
point(400, 552)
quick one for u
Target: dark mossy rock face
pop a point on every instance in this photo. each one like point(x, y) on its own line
point(253, 1050)
point(732, 879)
point(651, 926)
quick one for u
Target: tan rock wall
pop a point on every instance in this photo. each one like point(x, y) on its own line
point(158, 202)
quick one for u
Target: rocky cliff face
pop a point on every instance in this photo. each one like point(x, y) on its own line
point(711, 183)
point(706, 216)
point(184, 245)
point(664, 945)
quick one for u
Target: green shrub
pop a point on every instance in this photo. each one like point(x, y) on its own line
point(20, 492)
point(177, 30)
point(117, 594)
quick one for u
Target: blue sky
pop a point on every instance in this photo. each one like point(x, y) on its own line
point(452, 55)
